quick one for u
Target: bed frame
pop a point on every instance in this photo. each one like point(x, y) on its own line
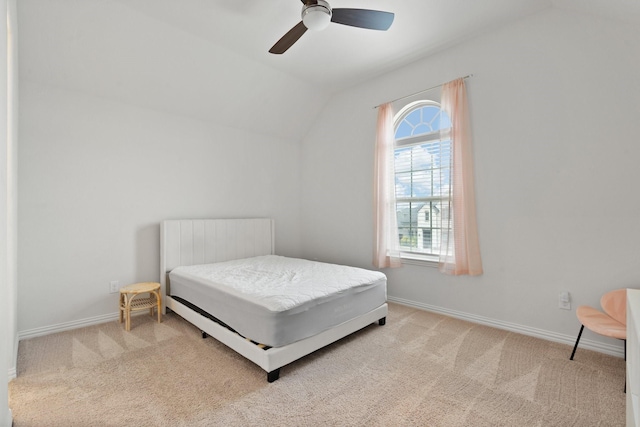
point(203, 241)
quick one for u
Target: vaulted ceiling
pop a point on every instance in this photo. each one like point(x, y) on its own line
point(209, 59)
point(339, 55)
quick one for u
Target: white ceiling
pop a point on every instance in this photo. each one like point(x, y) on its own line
point(340, 55)
point(208, 59)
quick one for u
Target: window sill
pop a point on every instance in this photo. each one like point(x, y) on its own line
point(421, 260)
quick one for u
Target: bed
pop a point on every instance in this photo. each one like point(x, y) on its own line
point(222, 276)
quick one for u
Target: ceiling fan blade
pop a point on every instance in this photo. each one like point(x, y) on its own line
point(363, 18)
point(309, 2)
point(288, 39)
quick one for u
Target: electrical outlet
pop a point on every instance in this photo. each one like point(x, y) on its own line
point(564, 301)
point(114, 286)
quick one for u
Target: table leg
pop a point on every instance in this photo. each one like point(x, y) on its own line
point(121, 308)
point(128, 313)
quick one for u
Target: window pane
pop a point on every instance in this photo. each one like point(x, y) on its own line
point(427, 241)
point(413, 118)
point(402, 159)
point(420, 158)
point(404, 130)
point(403, 184)
point(422, 184)
point(442, 183)
point(422, 171)
point(419, 227)
point(429, 113)
point(408, 225)
point(422, 128)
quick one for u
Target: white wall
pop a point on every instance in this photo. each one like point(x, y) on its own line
point(8, 199)
point(555, 108)
point(96, 177)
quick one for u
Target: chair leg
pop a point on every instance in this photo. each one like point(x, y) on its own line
point(575, 347)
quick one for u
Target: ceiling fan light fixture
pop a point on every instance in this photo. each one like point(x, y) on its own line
point(316, 17)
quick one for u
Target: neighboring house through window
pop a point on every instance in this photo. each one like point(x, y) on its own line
point(422, 159)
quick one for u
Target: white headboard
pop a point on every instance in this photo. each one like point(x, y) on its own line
point(203, 241)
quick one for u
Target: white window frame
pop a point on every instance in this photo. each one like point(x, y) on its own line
point(411, 257)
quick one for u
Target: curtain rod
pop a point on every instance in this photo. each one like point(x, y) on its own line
point(419, 92)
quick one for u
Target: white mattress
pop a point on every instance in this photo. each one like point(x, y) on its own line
point(276, 300)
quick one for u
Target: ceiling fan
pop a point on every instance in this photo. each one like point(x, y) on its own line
point(317, 14)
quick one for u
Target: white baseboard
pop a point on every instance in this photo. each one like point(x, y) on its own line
point(52, 329)
point(14, 359)
point(609, 349)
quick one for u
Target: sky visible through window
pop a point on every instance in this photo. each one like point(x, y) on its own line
point(422, 170)
point(426, 119)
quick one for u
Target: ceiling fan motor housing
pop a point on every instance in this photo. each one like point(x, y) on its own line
point(316, 17)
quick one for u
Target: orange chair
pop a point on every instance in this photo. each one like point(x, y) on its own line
point(612, 323)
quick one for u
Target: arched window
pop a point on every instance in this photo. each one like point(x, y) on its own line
point(422, 159)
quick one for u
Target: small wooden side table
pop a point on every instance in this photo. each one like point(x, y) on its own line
point(129, 302)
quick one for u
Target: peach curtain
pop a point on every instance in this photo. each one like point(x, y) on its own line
point(385, 233)
point(460, 250)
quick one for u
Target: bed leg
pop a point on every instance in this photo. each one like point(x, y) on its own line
point(273, 375)
point(382, 321)
point(204, 334)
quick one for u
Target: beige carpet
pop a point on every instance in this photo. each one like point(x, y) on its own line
point(421, 369)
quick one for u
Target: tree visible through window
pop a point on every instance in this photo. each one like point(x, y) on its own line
point(422, 160)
